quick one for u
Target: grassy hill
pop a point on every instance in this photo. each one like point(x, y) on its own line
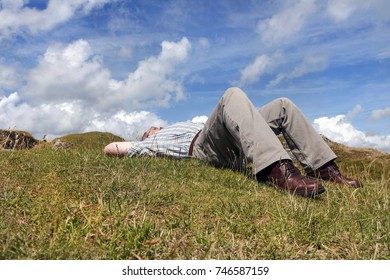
point(77, 203)
point(90, 140)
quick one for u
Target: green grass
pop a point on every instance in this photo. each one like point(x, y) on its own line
point(80, 204)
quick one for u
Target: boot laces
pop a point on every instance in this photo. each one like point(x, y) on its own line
point(335, 169)
point(290, 168)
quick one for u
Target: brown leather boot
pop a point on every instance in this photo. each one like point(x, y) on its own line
point(330, 172)
point(285, 175)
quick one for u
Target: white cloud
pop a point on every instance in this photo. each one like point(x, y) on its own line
point(299, 21)
point(380, 113)
point(263, 64)
point(338, 129)
point(126, 125)
point(354, 113)
point(8, 77)
point(71, 91)
point(200, 119)
point(73, 72)
point(15, 16)
point(310, 64)
point(67, 73)
point(204, 43)
point(341, 10)
point(71, 117)
point(152, 83)
point(12, 5)
point(45, 118)
point(286, 23)
point(382, 7)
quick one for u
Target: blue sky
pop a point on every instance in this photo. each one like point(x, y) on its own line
point(122, 66)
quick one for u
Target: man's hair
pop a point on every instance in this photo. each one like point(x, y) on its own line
point(143, 136)
point(139, 136)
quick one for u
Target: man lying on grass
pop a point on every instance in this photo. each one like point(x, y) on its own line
point(237, 133)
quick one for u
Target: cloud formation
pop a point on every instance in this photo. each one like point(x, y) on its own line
point(343, 10)
point(8, 77)
point(298, 22)
point(72, 117)
point(354, 113)
point(73, 72)
point(276, 31)
point(67, 73)
point(380, 113)
point(310, 64)
point(287, 22)
point(16, 17)
point(118, 60)
point(340, 130)
point(263, 64)
point(152, 83)
point(70, 90)
point(200, 119)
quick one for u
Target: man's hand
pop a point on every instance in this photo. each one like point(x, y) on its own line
point(117, 149)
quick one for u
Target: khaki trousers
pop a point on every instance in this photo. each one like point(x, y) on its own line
point(237, 133)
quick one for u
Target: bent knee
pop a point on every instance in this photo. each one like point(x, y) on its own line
point(286, 102)
point(234, 92)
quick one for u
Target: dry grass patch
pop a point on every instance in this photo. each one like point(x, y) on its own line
point(80, 204)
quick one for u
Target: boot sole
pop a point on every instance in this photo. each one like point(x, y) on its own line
point(305, 193)
point(311, 193)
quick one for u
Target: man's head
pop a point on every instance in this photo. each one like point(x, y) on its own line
point(150, 132)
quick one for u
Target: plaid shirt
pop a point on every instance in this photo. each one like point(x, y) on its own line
point(174, 141)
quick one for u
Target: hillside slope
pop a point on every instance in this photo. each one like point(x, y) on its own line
point(90, 140)
point(77, 203)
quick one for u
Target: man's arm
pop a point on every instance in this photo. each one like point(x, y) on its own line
point(118, 149)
